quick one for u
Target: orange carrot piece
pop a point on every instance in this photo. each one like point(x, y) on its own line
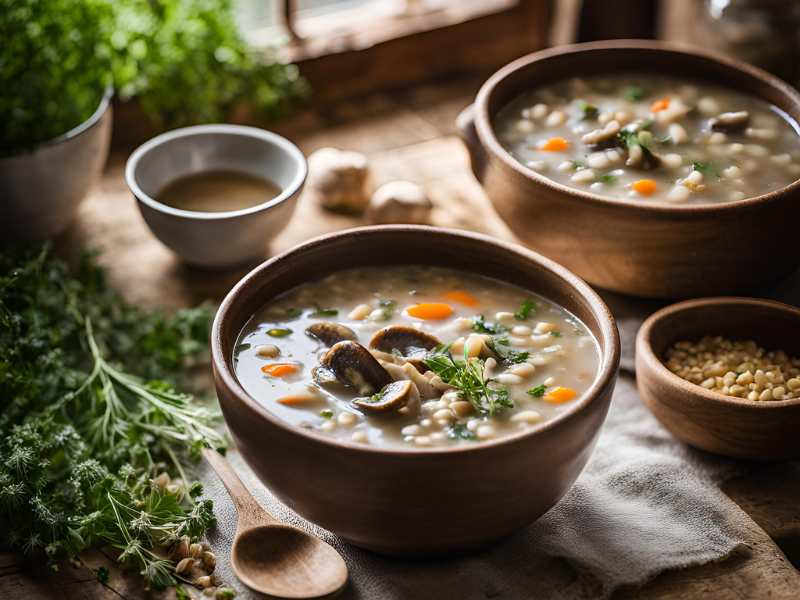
point(430, 311)
point(659, 105)
point(560, 394)
point(279, 369)
point(645, 187)
point(554, 144)
point(296, 400)
point(462, 297)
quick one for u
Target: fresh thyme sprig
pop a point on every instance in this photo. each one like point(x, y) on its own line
point(88, 422)
point(469, 379)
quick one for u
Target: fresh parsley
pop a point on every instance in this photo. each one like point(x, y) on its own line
point(323, 312)
point(526, 309)
point(555, 334)
point(507, 355)
point(538, 391)
point(481, 325)
point(96, 440)
point(459, 431)
point(388, 306)
point(589, 111)
point(326, 413)
point(469, 379)
point(607, 179)
point(634, 93)
point(706, 168)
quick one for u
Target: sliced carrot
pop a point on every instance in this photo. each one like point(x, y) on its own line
point(645, 187)
point(462, 297)
point(297, 400)
point(279, 369)
point(659, 105)
point(554, 144)
point(560, 394)
point(430, 311)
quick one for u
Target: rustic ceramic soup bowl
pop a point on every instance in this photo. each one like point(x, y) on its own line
point(645, 248)
point(414, 502)
point(706, 419)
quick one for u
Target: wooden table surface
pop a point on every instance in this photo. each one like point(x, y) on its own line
point(408, 135)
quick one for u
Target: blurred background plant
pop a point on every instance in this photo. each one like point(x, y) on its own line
point(183, 60)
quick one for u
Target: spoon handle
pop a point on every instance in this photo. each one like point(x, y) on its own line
point(250, 512)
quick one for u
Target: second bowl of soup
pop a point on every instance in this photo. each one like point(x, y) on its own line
point(371, 376)
point(647, 168)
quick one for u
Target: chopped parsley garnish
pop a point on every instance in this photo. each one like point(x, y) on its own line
point(629, 139)
point(388, 307)
point(578, 164)
point(459, 431)
point(527, 308)
point(326, 413)
point(481, 325)
point(607, 179)
point(323, 312)
point(589, 110)
point(468, 378)
point(506, 353)
point(279, 332)
point(538, 391)
point(555, 333)
point(706, 168)
point(633, 93)
point(376, 397)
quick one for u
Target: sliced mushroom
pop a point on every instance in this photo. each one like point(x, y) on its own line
point(354, 366)
point(730, 121)
point(426, 390)
point(392, 397)
point(411, 343)
point(604, 135)
point(329, 332)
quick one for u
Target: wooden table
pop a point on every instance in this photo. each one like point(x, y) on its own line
point(407, 135)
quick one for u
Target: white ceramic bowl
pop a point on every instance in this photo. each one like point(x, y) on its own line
point(216, 239)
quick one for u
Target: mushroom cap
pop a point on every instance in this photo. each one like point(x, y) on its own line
point(391, 397)
point(330, 333)
point(730, 121)
point(403, 339)
point(354, 366)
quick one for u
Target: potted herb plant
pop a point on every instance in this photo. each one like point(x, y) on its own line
point(55, 113)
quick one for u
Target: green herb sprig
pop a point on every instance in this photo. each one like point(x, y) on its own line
point(468, 378)
point(88, 420)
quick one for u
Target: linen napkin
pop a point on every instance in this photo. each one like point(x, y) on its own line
point(645, 504)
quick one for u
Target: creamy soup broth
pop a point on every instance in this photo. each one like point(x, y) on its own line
point(648, 138)
point(534, 364)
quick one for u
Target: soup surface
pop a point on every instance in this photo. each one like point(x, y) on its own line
point(652, 138)
point(414, 356)
point(217, 191)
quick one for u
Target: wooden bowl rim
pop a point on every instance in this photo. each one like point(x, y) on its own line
point(608, 341)
point(644, 351)
point(489, 140)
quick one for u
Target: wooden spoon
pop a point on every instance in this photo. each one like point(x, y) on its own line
point(273, 558)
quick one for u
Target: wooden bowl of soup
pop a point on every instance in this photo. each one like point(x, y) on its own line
point(723, 375)
point(646, 168)
point(417, 391)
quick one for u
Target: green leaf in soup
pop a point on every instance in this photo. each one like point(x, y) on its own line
point(508, 355)
point(481, 325)
point(323, 312)
point(388, 306)
point(459, 431)
point(526, 309)
point(326, 413)
point(589, 111)
point(706, 168)
point(634, 93)
point(538, 391)
point(279, 332)
point(607, 179)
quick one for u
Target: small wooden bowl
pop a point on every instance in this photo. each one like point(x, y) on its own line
point(414, 502)
point(709, 420)
point(653, 249)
